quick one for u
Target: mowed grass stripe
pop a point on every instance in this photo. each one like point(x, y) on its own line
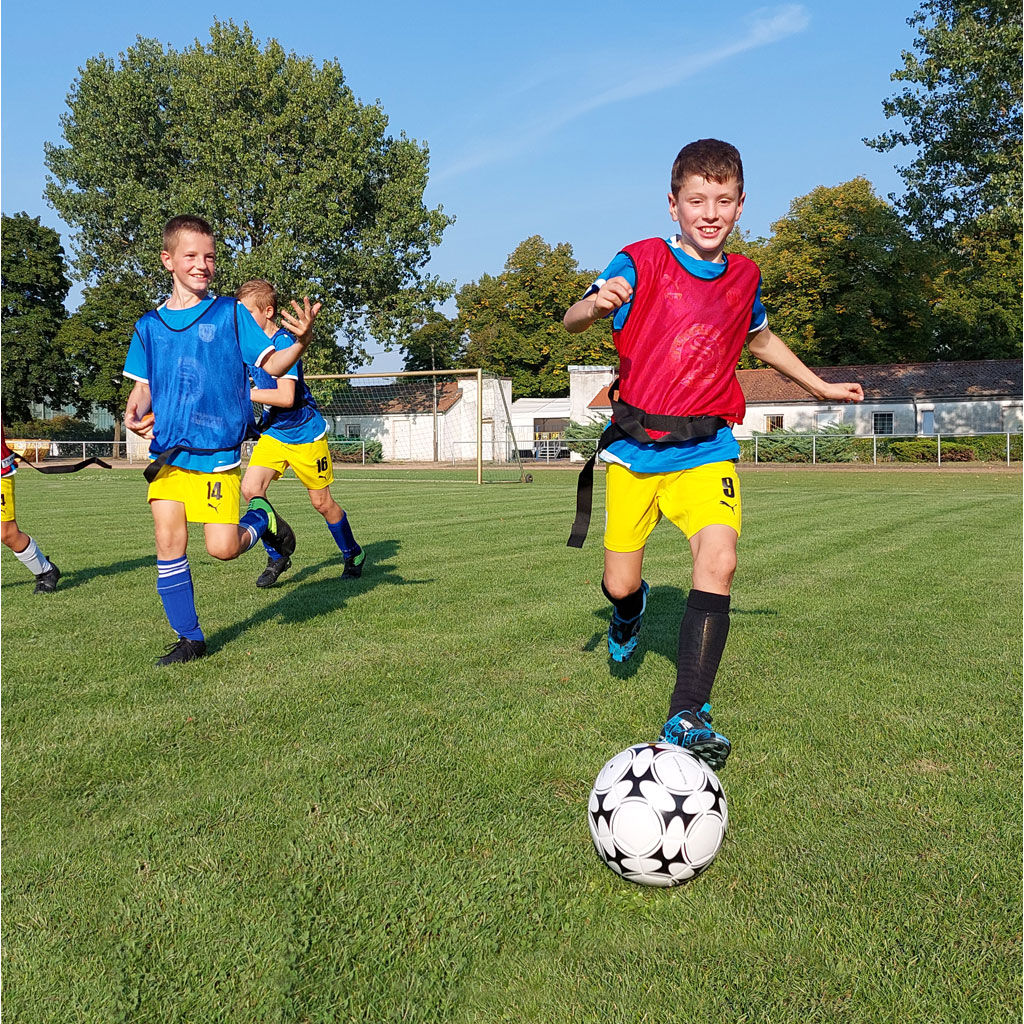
point(368, 803)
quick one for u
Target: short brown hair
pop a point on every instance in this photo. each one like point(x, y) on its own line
point(712, 159)
point(260, 291)
point(184, 222)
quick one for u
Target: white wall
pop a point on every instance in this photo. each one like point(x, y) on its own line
point(584, 384)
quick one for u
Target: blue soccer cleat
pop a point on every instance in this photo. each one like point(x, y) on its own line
point(692, 731)
point(622, 633)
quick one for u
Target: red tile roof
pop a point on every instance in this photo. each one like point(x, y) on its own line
point(982, 378)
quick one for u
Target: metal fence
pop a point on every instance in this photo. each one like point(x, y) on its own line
point(773, 447)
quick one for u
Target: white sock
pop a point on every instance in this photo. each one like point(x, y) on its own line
point(33, 559)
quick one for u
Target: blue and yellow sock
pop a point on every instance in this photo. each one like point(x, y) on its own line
point(255, 521)
point(174, 585)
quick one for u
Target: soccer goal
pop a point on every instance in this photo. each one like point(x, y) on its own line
point(431, 424)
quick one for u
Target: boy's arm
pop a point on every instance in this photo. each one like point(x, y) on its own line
point(771, 349)
point(300, 326)
point(612, 294)
point(283, 395)
point(140, 401)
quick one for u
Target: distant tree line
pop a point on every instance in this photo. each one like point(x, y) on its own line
point(305, 187)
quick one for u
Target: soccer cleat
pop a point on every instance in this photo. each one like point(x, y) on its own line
point(622, 633)
point(46, 582)
point(279, 535)
point(692, 731)
point(183, 649)
point(275, 566)
point(354, 566)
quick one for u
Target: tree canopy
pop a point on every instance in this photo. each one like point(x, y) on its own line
point(844, 282)
point(961, 110)
point(33, 291)
point(514, 321)
point(302, 182)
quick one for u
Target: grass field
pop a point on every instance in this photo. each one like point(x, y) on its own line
point(369, 803)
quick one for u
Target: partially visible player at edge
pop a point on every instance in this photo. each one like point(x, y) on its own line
point(683, 311)
point(293, 434)
point(24, 547)
point(188, 360)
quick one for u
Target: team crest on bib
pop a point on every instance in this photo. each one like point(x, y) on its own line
point(207, 332)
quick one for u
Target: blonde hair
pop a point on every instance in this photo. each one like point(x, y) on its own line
point(174, 228)
point(263, 293)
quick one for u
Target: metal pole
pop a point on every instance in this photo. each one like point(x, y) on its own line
point(434, 379)
point(938, 438)
point(479, 426)
point(814, 449)
point(874, 449)
point(755, 449)
point(1007, 447)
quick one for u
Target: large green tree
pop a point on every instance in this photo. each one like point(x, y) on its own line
point(961, 110)
point(34, 288)
point(301, 182)
point(435, 345)
point(95, 341)
point(514, 321)
point(844, 282)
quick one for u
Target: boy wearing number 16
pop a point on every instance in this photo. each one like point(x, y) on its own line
point(293, 433)
point(682, 311)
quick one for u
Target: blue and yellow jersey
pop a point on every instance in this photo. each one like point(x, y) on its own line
point(302, 423)
point(194, 361)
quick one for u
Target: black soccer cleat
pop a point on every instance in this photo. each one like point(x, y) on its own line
point(275, 566)
point(278, 534)
point(46, 582)
point(183, 649)
point(354, 566)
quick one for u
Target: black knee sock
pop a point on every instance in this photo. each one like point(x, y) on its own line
point(702, 635)
point(628, 607)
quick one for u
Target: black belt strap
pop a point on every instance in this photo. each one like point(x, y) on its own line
point(64, 467)
point(629, 421)
point(164, 457)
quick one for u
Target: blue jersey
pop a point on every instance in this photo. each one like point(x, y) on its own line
point(194, 361)
point(301, 423)
point(670, 458)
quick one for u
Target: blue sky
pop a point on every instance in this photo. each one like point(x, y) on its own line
point(557, 119)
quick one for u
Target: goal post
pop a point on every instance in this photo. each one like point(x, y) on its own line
point(428, 423)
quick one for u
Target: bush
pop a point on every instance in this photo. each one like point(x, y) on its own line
point(345, 449)
point(581, 438)
point(60, 428)
point(834, 443)
point(958, 453)
point(915, 451)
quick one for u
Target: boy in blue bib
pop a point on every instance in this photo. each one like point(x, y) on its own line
point(188, 360)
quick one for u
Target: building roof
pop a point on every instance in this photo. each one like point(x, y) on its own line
point(403, 397)
point(981, 378)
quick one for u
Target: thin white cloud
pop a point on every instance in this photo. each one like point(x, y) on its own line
point(765, 26)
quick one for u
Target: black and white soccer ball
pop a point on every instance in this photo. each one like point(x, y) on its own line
point(657, 814)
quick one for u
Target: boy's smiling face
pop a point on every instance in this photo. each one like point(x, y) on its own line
point(191, 262)
point(706, 212)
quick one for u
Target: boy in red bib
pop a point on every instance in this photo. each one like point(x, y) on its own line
point(682, 313)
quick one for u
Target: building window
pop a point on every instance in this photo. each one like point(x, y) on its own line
point(772, 423)
point(352, 430)
point(828, 419)
point(883, 423)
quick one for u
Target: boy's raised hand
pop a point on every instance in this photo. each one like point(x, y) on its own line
point(612, 294)
point(300, 325)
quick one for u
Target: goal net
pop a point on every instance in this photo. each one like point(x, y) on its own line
point(428, 424)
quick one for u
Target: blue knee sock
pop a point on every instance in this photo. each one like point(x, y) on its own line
point(272, 552)
point(174, 585)
point(256, 522)
point(342, 534)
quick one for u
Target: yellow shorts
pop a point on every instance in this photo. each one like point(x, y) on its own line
point(7, 506)
point(691, 498)
point(207, 497)
point(310, 462)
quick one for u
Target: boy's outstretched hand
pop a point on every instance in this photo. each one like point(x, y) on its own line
point(843, 393)
point(300, 325)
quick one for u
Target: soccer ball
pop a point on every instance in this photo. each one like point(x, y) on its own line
point(657, 814)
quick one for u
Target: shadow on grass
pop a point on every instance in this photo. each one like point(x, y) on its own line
point(71, 578)
point(312, 591)
point(660, 633)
